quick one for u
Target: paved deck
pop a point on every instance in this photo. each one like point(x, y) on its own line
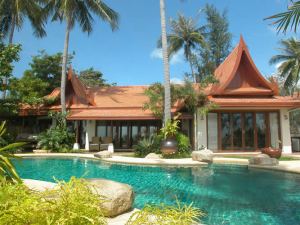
point(123, 159)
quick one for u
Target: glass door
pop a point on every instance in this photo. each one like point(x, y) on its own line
point(249, 131)
point(261, 130)
point(226, 135)
point(237, 135)
point(124, 135)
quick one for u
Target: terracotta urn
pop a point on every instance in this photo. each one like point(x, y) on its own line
point(169, 146)
point(272, 152)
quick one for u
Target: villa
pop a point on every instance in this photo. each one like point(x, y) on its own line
point(250, 114)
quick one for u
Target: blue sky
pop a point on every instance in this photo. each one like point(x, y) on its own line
point(128, 56)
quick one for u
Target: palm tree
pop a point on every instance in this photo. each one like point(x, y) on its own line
point(81, 12)
point(185, 34)
point(12, 15)
point(167, 98)
point(290, 18)
point(289, 60)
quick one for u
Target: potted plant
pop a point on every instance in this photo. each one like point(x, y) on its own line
point(169, 131)
point(273, 152)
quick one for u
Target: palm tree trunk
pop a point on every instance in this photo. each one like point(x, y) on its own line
point(64, 70)
point(195, 113)
point(10, 41)
point(167, 100)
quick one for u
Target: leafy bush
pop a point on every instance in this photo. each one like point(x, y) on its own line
point(72, 203)
point(57, 138)
point(148, 145)
point(7, 169)
point(166, 215)
point(171, 128)
point(152, 145)
point(183, 143)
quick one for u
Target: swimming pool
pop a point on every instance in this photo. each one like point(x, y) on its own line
point(228, 194)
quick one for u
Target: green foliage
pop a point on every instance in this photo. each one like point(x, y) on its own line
point(28, 89)
point(47, 68)
point(183, 144)
point(289, 59)
point(170, 129)
point(92, 78)
point(148, 145)
point(166, 215)
point(218, 39)
point(289, 18)
point(9, 107)
point(7, 169)
point(72, 203)
point(152, 144)
point(186, 35)
point(187, 93)
point(8, 55)
point(57, 138)
point(15, 12)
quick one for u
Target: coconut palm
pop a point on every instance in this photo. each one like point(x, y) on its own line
point(81, 12)
point(167, 98)
point(289, 61)
point(290, 18)
point(186, 35)
point(13, 14)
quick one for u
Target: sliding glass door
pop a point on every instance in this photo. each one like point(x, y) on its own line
point(247, 130)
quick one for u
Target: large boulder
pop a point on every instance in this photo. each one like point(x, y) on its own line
point(203, 155)
point(152, 156)
point(39, 185)
point(119, 197)
point(103, 154)
point(263, 160)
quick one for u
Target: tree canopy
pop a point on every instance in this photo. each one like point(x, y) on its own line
point(8, 55)
point(218, 39)
point(92, 78)
point(289, 64)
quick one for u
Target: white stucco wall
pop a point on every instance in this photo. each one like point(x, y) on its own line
point(285, 131)
point(201, 131)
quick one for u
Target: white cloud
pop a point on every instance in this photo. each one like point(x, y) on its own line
point(176, 80)
point(176, 58)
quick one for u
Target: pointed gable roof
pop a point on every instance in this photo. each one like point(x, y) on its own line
point(238, 75)
point(76, 92)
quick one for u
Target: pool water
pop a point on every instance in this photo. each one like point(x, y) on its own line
point(228, 194)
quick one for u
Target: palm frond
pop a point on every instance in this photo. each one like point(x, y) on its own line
point(290, 18)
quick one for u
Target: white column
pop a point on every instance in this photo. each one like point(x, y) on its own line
point(285, 131)
point(202, 131)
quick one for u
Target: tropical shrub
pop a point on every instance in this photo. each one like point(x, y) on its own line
point(57, 138)
point(72, 203)
point(148, 145)
point(183, 143)
point(170, 129)
point(7, 169)
point(166, 215)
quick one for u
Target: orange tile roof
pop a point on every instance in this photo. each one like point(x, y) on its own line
point(240, 85)
point(238, 75)
point(273, 102)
